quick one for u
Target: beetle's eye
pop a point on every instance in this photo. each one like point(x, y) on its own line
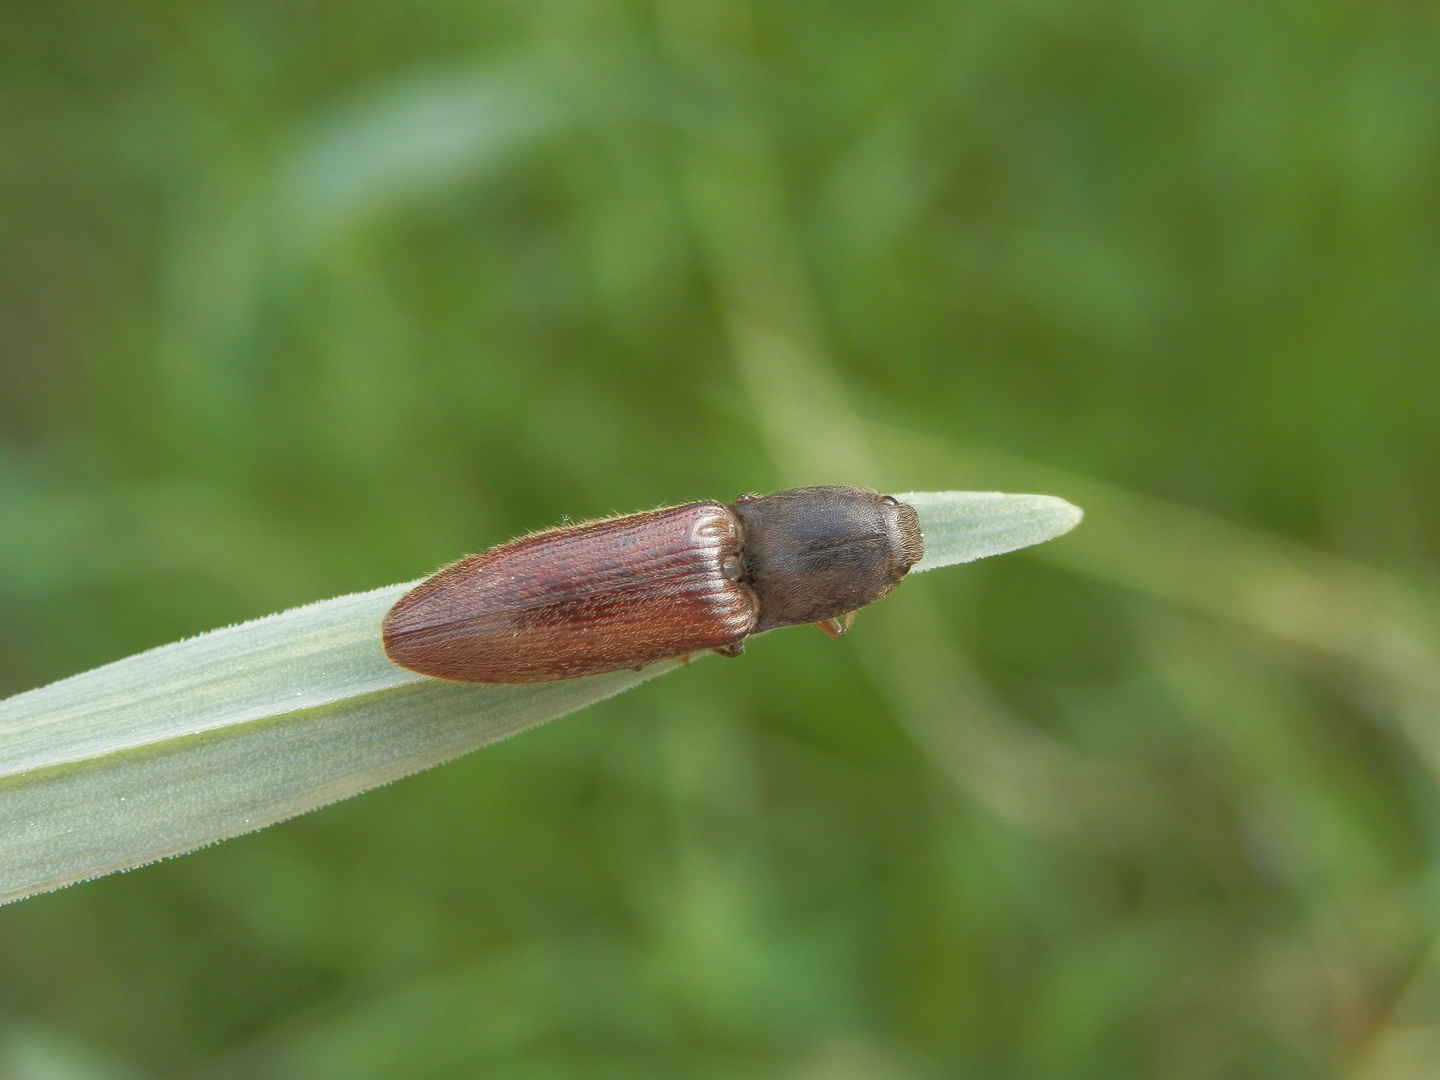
point(889, 500)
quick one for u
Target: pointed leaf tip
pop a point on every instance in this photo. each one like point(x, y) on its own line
point(962, 526)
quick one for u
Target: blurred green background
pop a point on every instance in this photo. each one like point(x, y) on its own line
point(302, 298)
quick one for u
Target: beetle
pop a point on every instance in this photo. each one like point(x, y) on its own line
point(623, 592)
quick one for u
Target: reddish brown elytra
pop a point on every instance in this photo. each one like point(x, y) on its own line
point(628, 591)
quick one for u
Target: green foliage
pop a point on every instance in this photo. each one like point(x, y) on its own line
point(297, 300)
point(230, 731)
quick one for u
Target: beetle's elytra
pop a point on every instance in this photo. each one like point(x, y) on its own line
point(627, 591)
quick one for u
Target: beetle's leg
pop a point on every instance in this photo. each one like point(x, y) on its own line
point(735, 648)
point(837, 627)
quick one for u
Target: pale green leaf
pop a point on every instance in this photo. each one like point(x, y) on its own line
point(962, 526)
point(233, 730)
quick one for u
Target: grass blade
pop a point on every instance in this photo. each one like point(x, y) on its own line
point(962, 526)
point(233, 730)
